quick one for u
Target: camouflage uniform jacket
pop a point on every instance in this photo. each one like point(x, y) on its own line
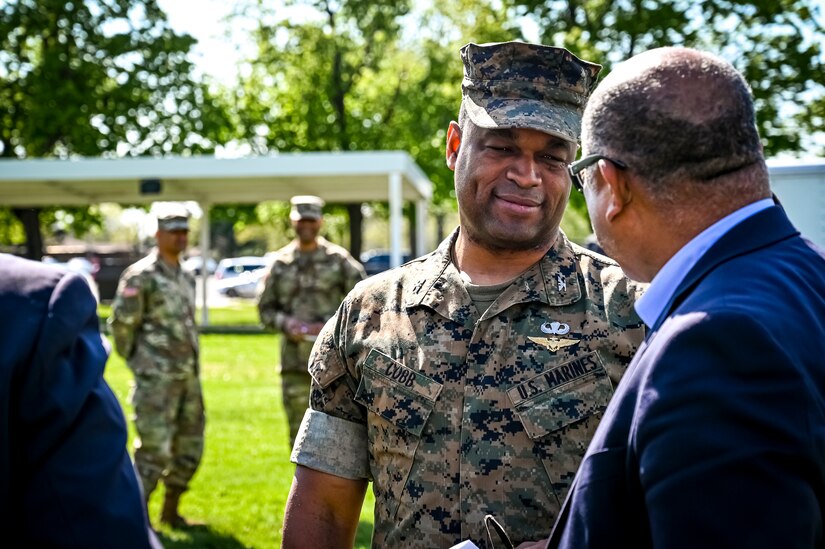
point(308, 286)
point(453, 415)
point(153, 319)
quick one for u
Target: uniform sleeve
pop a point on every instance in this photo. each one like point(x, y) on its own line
point(333, 434)
point(270, 306)
point(81, 489)
point(127, 313)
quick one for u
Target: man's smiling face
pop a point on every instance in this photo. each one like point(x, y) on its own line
point(511, 184)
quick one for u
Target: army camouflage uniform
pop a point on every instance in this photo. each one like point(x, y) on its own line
point(308, 286)
point(153, 324)
point(454, 414)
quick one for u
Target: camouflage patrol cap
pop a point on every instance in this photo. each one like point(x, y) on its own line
point(305, 207)
point(173, 218)
point(520, 85)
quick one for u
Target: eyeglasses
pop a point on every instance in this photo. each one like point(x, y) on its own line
point(579, 166)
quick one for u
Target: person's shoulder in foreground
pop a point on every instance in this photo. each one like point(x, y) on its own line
point(65, 476)
point(716, 434)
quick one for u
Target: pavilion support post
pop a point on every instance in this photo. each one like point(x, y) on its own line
point(396, 217)
point(205, 246)
point(356, 229)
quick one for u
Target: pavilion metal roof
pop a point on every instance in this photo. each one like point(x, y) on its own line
point(342, 177)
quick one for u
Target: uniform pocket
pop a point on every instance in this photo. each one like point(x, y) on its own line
point(562, 396)
point(396, 393)
point(399, 401)
point(560, 410)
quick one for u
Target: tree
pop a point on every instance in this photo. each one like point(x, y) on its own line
point(352, 76)
point(776, 44)
point(97, 77)
point(311, 83)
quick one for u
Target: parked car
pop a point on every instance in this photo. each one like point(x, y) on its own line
point(243, 285)
point(195, 263)
point(234, 266)
point(376, 261)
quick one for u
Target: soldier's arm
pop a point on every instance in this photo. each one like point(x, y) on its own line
point(322, 510)
point(127, 314)
point(331, 452)
point(269, 302)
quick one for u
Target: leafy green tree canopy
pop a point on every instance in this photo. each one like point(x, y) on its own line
point(99, 78)
point(776, 44)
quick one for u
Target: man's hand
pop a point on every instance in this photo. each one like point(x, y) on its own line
point(295, 330)
point(314, 328)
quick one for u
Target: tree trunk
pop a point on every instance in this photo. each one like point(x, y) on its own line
point(440, 219)
point(30, 218)
point(356, 222)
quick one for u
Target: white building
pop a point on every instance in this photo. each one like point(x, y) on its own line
point(800, 186)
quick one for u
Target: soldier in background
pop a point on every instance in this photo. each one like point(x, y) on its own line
point(469, 381)
point(153, 324)
point(307, 281)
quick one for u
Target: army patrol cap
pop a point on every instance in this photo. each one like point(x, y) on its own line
point(520, 85)
point(173, 219)
point(305, 207)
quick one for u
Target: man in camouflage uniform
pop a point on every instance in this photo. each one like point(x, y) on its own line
point(308, 279)
point(153, 323)
point(469, 381)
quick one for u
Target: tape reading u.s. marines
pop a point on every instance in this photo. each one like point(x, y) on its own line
point(558, 376)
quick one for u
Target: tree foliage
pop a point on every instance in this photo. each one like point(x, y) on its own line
point(346, 79)
point(351, 78)
point(776, 44)
point(99, 78)
point(110, 77)
point(336, 81)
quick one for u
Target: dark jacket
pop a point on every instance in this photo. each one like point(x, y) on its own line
point(66, 479)
point(716, 434)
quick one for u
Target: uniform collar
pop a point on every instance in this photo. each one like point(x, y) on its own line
point(760, 230)
point(661, 289)
point(553, 280)
point(294, 248)
point(164, 267)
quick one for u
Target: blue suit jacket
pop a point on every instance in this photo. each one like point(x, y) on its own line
point(715, 436)
point(66, 479)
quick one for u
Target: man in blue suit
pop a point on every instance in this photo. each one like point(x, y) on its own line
point(66, 479)
point(715, 436)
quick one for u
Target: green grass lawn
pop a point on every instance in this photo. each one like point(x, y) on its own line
point(243, 312)
point(241, 487)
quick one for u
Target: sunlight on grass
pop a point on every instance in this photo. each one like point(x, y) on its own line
point(242, 312)
point(241, 487)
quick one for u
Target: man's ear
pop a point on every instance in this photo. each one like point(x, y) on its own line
point(619, 193)
point(453, 144)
